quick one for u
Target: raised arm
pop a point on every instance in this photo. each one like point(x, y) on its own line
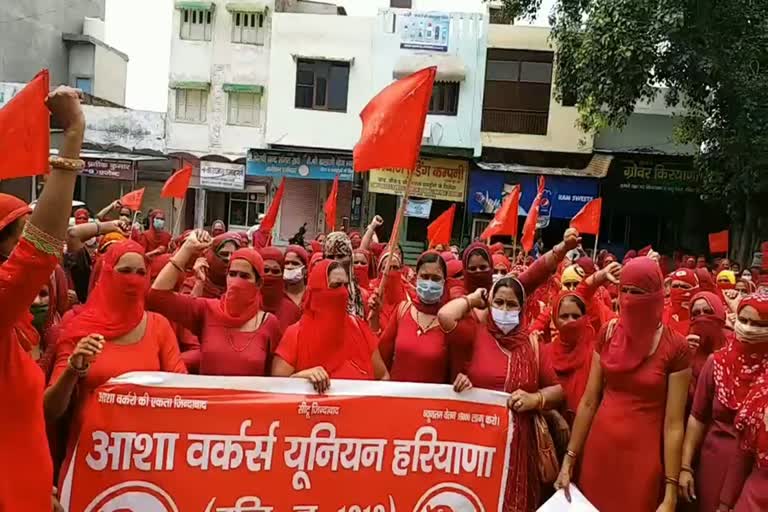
point(105, 212)
point(452, 313)
point(546, 265)
point(370, 233)
point(78, 235)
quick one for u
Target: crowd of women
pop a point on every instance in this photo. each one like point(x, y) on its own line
point(646, 389)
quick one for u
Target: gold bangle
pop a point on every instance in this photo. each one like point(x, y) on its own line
point(687, 469)
point(672, 481)
point(66, 164)
point(571, 454)
point(542, 400)
point(176, 266)
point(81, 372)
point(469, 302)
point(42, 241)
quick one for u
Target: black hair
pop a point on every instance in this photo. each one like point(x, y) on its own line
point(517, 288)
point(432, 257)
point(480, 251)
point(576, 300)
point(10, 230)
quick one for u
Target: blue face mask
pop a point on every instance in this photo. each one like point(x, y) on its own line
point(506, 321)
point(159, 224)
point(429, 292)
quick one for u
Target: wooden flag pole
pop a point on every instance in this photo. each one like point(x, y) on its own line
point(594, 253)
point(177, 221)
point(396, 231)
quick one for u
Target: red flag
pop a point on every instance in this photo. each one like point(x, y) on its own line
point(25, 131)
point(588, 218)
point(505, 220)
point(718, 242)
point(177, 185)
point(330, 206)
point(268, 222)
point(393, 124)
point(529, 228)
point(439, 231)
point(133, 199)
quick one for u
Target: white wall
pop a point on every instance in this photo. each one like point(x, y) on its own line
point(130, 129)
point(330, 37)
point(111, 73)
point(218, 62)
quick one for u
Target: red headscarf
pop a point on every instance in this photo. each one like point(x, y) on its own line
point(273, 290)
point(497, 248)
point(676, 315)
point(587, 265)
point(362, 272)
point(395, 287)
point(298, 251)
point(328, 335)
point(701, 262)
point(630, 254)
point(11, 209)
point(751, 421)
point(430, 309)
point(706, 282)
point(475, 280)
point(316, 258)
point(709, 327)
point(317, 247)
point(501, 260)
point(740, 363)
point(216, 277)
point(82, 216)
point(356, 238)
point(242, 299)
point(639, 316)
point(116, 305)
point(572, 351)
point(154, 238)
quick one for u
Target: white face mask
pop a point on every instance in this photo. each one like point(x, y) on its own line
point(506, 321)
point(293, 275)
point(750, 333)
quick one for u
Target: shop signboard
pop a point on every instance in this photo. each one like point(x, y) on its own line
point(424, 31)
point(107, 168)
point(654, 174)
point(441, 179)
point(222, 176)
point(308, 166)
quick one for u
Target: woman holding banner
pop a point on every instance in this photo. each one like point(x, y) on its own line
point(236, 336)
point(328, 342)
point(505, 358)
point(635, 399)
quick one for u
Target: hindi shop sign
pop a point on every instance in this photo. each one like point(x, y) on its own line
point(424, 31)
point(160, 442)
point(222, 176)
point(104, 168)
point(309, 166)
point(441, 179)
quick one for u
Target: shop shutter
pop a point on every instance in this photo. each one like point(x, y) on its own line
point(300, 205)
point(343, 201)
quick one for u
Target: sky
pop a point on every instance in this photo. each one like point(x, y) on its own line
point(142, 29)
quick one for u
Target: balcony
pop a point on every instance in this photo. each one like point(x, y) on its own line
point(514, 121)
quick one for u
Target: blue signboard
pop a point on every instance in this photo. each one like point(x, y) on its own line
point(308, 166)
point(563, 196)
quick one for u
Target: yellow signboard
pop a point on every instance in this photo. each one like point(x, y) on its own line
point(440, 179)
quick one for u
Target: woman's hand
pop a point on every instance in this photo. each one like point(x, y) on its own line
point(86, 350)
point(196, 242)
point(462, 383)
point(478, 299)
point(571, 239)
point(693, 342)
point(376, 222)
point(686, 486)
point(564, 478)
point(64, 104)
point(201, 269)
point(611, 273)
point(521, 401)
point(319, 378)
point(667, 506)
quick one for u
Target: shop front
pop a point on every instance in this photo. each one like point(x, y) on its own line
point(309, 178)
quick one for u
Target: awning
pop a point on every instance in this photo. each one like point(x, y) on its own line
point(253, 6)
point(195, 5)
point(254, 89)
point(449, 67)
point(337, 58)
point(596, 168)
point(114, 156)
point(198, 86)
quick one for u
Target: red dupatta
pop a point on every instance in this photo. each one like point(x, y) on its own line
point(475, 280)
point(216, 278)
point(273, 291)
point(153, 237)
point(242, 299)
point(430, 309)
point(751, 421)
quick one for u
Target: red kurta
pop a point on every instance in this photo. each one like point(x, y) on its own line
point(746, 484)
point(26, 471)
point(223, 351)
point(630, 423)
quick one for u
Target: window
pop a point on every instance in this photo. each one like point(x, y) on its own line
point(191, 105)
point(84, 84)
point(196, 25)
point(248, 27)
point(244, 108)
point(245, 207)
point(445, 99)
point(322, 85)
point(499, 17)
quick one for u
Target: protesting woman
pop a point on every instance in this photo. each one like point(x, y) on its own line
point(156, 239)
point(478, 269)
point(361, 260)
point(210, 271)
point(413, 345)
point(295, 273)
point(707, 333)
point(635, 399)
point(723, 384)
point(236, 336)
point(504, 358)
point(273, 290)
point(218, 228)
point(328, 342)
point(501, 266)
point(392, 295)
point(677, 315)
point(338, 247)
point(110, 335)
point(31, 245)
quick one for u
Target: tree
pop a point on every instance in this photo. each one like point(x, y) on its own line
point(712, 55)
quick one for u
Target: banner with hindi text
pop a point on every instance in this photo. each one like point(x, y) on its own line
point(157, 442)
point(441, 179)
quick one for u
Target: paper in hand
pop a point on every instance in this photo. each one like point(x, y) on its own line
point(558, 503)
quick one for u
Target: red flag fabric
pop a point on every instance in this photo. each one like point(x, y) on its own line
point(505, 220)
point(439, 231)
point(133, 199)
point(330, 206)
point(588, 218)
point(718, 242)
point(25, 131)
point(268, 222)
point(177, 185)
point(393, 124)
point(529, 228)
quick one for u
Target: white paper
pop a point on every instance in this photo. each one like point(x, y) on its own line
point(558, 503)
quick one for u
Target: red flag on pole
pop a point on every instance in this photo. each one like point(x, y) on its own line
point(393, 124)
point(529, 228)
point(505, 220)
point(268, 222)
point(718, 242)
point(25, 133)
point(133, 199)
point(330, 206)
point(177, 185)
point(588, 218)
point(439, 231)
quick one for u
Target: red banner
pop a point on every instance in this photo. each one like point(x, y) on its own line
point(155, 442)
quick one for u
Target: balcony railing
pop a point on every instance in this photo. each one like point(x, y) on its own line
point(515, 121)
